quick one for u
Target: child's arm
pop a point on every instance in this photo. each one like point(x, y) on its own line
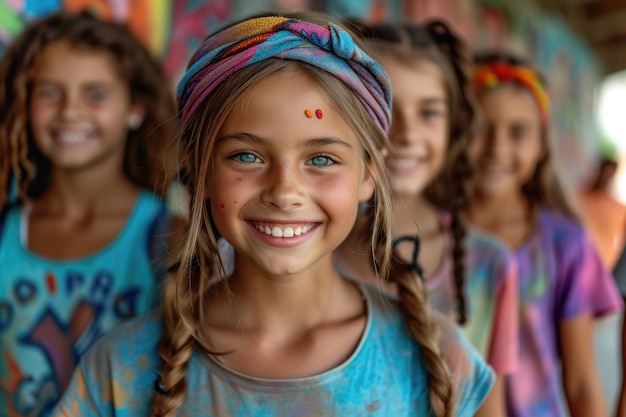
point(581, 382)
point(495, 403)
point(621, 405)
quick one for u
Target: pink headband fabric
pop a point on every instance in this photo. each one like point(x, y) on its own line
point(327, 47)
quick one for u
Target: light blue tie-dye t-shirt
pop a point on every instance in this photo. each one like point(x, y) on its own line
point(385, 376)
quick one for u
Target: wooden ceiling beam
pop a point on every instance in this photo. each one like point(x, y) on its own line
point(603, 7)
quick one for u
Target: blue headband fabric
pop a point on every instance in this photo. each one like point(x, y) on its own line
point(327, 47)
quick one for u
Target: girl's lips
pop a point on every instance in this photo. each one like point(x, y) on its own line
point(72, 138)
point(493, 172)
point(404, 165)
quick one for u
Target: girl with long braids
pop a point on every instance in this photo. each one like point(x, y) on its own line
point(85, 123)
point(283, 121)
point(519, 198)
point(468, 276)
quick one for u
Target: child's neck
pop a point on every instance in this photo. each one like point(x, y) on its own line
point(75, 193)
point(415, 215)
point(297, 300)
point(509, 217)
point(284, 327)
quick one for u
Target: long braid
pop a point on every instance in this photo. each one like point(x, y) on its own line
point(198, 263)
point(182, 311)
point(413, 303)
point(412, 297)
point(463, 125)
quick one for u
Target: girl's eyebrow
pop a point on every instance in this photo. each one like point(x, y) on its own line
point(258, 140)
point(434, 100)
point(87, 84)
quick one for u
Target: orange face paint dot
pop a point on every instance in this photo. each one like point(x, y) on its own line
point(308, 113)
point(319, 114)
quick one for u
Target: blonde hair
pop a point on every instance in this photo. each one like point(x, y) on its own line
point(547, 187)
point(200, 261)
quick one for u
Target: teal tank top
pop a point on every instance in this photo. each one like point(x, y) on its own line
point(52, 311)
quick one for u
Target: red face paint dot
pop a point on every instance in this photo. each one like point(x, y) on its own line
point(319, 114)
point(308, 113)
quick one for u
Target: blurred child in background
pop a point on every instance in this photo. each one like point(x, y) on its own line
point(85, 118)
point(468, 276)
point(518, 197)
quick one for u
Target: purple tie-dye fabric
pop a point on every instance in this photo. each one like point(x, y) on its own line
point(561, 277)
point(327, 47)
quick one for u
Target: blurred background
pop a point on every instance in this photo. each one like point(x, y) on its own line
point(580, 45)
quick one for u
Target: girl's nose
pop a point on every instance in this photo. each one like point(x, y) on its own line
point(404, 130)
point(285, 189)
point(71, 107)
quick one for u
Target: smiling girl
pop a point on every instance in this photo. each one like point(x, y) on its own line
point(283, 120)
point(519, 198)
point(84, 122)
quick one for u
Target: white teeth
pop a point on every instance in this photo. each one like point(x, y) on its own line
point(72, 137)
point(286, 232)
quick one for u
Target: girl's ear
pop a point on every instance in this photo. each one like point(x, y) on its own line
point(368, 183)
point(136, 115)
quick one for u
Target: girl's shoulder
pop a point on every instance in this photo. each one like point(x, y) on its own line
point(554, 224)
point(131, 345)
point(125, 357)
point(481, 244)
point(129, 339)
point(472, 377)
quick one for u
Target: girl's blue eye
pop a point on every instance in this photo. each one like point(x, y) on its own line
point(95, 96)
point(322, 161)
point(246, 158)
point(430, 113)
point(48, 93)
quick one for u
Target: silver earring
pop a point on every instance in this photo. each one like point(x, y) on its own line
point(134, 121)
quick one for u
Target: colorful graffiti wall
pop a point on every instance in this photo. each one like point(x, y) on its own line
point(173, 28)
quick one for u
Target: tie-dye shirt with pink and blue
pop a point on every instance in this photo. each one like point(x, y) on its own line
point(491, 297)
point(561, 278)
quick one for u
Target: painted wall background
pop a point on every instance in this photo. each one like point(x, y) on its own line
point(173, 28)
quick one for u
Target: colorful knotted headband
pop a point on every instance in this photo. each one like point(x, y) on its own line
point(327, 47)
point(498, 73)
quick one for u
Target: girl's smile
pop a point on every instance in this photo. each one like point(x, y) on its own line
point(505, 155)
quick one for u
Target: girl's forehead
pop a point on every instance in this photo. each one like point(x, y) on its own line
point(510, 101)
point(73, 56)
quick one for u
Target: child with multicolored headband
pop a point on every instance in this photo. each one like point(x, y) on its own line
point(518, 197)
point(283, 122)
